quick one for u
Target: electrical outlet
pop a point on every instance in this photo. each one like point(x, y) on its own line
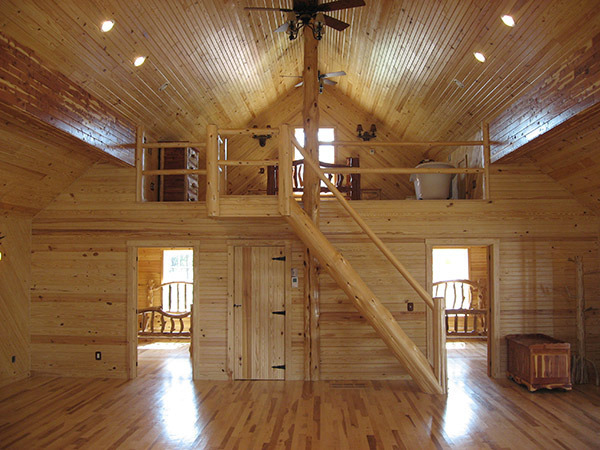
point(98, 356)
point(372, 151)
point(410, 306)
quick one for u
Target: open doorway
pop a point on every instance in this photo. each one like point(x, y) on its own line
point(164, 300)
point(463, 273)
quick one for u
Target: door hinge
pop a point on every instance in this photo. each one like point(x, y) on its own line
point(279, 258)
point(281, 313)
point(279, 367)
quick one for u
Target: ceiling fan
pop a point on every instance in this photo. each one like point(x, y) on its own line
point(324, 78)
point(309, 13)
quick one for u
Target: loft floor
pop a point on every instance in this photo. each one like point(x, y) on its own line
point(163, 408)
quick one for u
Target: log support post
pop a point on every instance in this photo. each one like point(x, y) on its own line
point(310, 198)
point(212, 170)
point(439, 342)
point(139, 164)
point(487, 158)
point(284, 172)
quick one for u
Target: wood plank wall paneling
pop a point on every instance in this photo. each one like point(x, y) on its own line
point(341, 113)
point(33, 87)
point(15, 281)
point(479, 270)
point(37, 162)
point(149, 270)
point(536, 235)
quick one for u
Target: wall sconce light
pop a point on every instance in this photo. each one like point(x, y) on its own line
point(367, 135)
point(262, 138)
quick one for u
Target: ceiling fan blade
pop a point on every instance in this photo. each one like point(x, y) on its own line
point(261, 8)
point(282, 28)
point(329, 82)
point(299, 84)
point(341, 4)
point(341, 73)
point(335, 23)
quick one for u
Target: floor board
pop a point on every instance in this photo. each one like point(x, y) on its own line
point(164, 408)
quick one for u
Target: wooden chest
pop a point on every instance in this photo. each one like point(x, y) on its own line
point(539, 361)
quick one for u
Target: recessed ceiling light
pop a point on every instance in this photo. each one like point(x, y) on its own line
point(479, 56)
point(139, 61)
point(107, 25)
point(508, 20)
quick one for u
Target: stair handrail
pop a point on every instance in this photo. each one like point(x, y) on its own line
point(365, 227)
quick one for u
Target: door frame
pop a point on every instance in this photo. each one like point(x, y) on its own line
point(287, 245)
point(493, 353)
point(132, 297)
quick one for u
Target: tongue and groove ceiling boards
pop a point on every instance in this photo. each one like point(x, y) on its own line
point(217, 63)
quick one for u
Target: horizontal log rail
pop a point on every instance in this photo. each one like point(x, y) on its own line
point(366, 228)
point(408, 144)
point(174, 172)
point(233, 162)
point(402, 170)
point(147, 322)
point(242, 131)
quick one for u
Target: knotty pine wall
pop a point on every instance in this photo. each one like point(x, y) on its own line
point(80, 253)
point(15, 279)
point(150, 269)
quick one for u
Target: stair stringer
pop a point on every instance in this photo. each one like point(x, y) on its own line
point(378, 316)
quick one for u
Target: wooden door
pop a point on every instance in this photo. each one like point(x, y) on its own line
point(258, 313)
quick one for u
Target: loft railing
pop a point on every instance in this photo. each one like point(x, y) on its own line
point(349, 183)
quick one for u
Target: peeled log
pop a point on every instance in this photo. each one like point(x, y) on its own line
point(378, 316)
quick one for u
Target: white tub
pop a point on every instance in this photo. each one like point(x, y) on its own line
point(430, 186)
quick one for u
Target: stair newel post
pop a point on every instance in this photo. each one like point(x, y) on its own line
point(139, 163)
point(212, 170)
point(487, 157)
point(284, 171)
point(439, 342)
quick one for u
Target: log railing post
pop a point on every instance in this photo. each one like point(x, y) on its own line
point(212, 170)
point(284, 172)
point(439, 342)
point(139, 164)
point(487, 156)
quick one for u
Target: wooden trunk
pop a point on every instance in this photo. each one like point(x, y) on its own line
point(539, 361)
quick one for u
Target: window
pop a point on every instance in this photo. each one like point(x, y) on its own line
point(326, 152)
point(178, 267)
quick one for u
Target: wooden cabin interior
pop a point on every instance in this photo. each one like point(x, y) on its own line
point(237, 222)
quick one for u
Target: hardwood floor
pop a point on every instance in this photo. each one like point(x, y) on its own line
point(163, 408)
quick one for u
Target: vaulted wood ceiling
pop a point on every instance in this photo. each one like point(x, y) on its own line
point(224, 64)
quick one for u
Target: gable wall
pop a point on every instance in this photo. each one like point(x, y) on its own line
point(80, 261)
point(338, 111)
